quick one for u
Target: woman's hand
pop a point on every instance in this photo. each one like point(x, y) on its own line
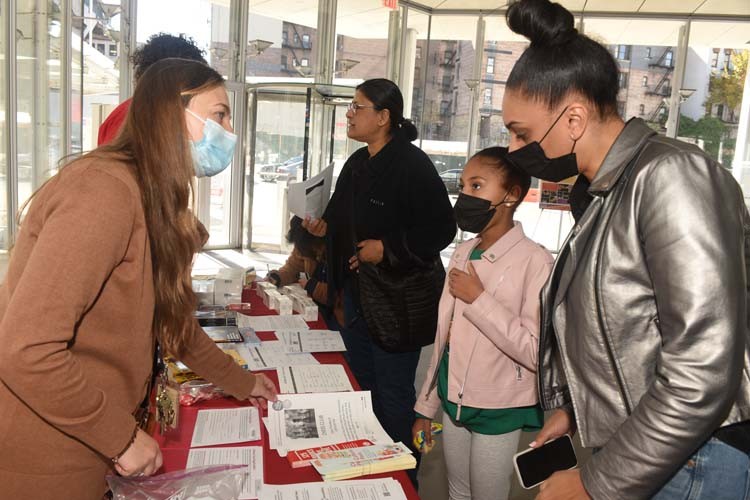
point(465, 286)
point(563, 485)
point(316, 227)
point(370, 251)
point(559, 423)
point(263, 391)
point(142, 458)
point(422, 424)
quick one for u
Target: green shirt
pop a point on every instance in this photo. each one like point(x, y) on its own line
point(486, 421)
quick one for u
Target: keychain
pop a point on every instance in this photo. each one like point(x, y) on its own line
point(167, 405)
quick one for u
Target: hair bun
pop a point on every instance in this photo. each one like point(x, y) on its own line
point(542, 22)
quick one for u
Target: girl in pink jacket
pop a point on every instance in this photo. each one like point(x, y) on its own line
point(484, 359)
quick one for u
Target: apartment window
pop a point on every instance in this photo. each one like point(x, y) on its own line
point(668, 58)
point(715, 59)
point(644, 82)
point(727, 59)
point(623, 80)
point(113, 50)
point(417, 73)
point(418, 55)
point(306, 41)
point(448, 56)
point(295, 62)
point(285, 37)
point(623, 52)
point(284, 61)
point(447, 81)
point(488, 96)
point(641, 109)
point(100, 47)
point(445, 107)
point(304, 63)
point(491, 65)
point(648, 52)
point(621, 109)
point(296, 39)
point(720, 111)
point(340, 42)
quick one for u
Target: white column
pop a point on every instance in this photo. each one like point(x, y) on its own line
point(128, 26)
point(673, 121)
point(407, 70)
point(392, 69)
point(476, 76)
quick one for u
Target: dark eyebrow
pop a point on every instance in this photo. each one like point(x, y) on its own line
point(226, 108)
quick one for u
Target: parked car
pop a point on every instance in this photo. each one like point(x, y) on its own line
point(281, 171)
point(451, 178)
point(268, 173)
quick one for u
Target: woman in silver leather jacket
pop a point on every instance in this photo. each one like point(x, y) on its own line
point(644, 327)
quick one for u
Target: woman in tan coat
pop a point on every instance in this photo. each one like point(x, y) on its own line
point(99, 273)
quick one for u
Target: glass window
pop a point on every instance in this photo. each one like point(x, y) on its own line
point(490, 65)
point(644, 82)
point(641, 109)
point(623, 52)
point(623, 80)
point(38, 85)
point(273, 22)
point(208, 25)
point(715, 58)
point(305, 62)
point(668, 58)
point(488, 97)
point(648, 52)
point(727, 59)
point(363, 28)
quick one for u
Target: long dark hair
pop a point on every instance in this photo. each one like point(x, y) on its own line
point(560, 60)
point(384, 94)
point(155, 140)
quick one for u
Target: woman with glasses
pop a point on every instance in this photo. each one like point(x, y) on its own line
point(386, 224)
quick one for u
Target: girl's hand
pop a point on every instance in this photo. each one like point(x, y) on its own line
point(422, 424)
point(465, 286)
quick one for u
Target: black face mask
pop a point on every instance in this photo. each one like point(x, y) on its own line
point(473, 214)
point(532, 160)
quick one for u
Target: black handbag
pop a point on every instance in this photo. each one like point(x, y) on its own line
point(401, 307)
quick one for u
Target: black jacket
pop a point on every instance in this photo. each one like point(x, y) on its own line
point(396, 197)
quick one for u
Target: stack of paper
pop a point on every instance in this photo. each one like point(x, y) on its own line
point(311, 340)
point(272, 323)
point(370, 489)
point(335, 465)
point(226, 426)
point(311, 420)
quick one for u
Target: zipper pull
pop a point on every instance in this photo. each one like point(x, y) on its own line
point(518, 372)
point(458, 411)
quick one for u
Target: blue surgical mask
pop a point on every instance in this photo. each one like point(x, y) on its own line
point(214, 152)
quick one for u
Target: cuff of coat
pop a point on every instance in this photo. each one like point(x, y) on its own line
point(111, 432)
point(427, 408)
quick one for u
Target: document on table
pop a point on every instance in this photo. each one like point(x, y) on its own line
point(226, 426)
point(313, 378)
point(312, 420)
point(309, 198)
point(272, 323)
point(311, 340)
point(270, 354)
point(358, 489)
point(252, 456)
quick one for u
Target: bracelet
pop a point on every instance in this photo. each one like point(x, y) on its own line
point(117, 457)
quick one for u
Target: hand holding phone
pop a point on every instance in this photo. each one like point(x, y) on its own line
point(535, 465)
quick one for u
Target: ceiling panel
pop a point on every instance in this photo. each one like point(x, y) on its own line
point(632, 31)
point(726, 7)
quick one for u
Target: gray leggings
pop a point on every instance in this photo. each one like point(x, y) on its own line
point(479, 466)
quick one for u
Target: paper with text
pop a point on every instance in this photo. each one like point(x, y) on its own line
point(310, 420)
point(311, 340)
point(272, 323)
point(309, 198)
point(226, 426)
point(252, 456)
point(313, 378)
point(270, 355)
point(360, 489)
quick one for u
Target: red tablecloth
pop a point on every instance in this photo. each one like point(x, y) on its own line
point(175, 445)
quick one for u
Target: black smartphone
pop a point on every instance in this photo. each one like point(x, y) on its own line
point(535, 465)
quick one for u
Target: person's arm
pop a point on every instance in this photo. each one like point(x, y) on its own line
point(516, 335)
point(691, 221)
point(428, 225)
point(289, 272)
point(202, 356)
point(84, 237)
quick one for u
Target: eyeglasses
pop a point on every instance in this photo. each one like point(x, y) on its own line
point(353, 107)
